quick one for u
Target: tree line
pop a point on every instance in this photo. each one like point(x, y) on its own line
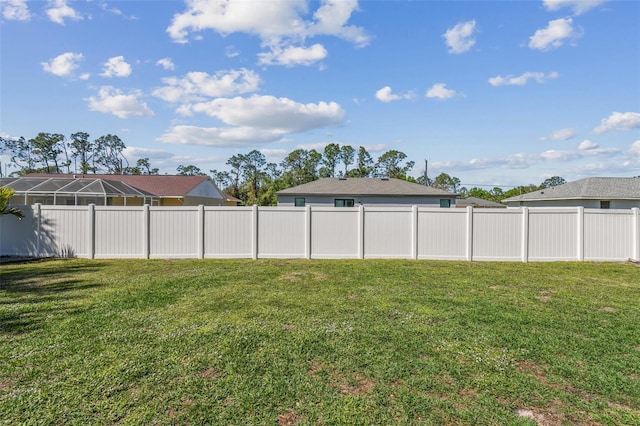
point(249, 176)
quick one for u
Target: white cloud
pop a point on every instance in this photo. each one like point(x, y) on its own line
point(116, 67)
point(560, 135)
point(460, 39)
point(587, 145)
point(132, 152)
point(386, 95)
point(280, 24)
point(634, 150)
point(293, 55)
point(554, 35)
point(197, 86)
point(219, 137)
point(523, 79)
point(84, 76)
point(59, 10)
point(578, 6)
point(619, 121)
point(440, 91)
point(231, 52)
point(15, 10)
point(268, 112)
point(253, 121)
point(166, 63)
point(63, 65)
point(113, 101)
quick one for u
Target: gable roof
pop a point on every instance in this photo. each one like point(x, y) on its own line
point(160, 185)
point(595, 188)
point(363, 186)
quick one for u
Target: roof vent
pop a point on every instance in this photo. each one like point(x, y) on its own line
point(384, 178)
point(342, 178)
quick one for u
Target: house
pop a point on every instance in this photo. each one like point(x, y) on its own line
point(478, 203)
point(230, 200)
point(115, 190)
point(350, 192)
point(594, 192)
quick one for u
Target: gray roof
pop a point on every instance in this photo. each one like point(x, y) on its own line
point(364, 186)
point(595, 188)
point(477, 202)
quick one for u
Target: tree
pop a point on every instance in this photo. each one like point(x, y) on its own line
point(364, 165)
point(46, 148)
point(5, 196)
point(109, 154)
point(253, 173)
point(446, 183)
point(300, 166)
point(390, 165)
point(347, 154)
point(189, 170)
point(551, 182)
point(83, 150)
point(21, 152)
point(330, 159)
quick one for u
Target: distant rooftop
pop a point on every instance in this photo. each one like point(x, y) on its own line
point(363, 186)
point(594, 188)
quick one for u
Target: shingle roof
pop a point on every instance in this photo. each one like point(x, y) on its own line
point(363, 186)
point(595, 188)
point(160, 185)
point(477, 202)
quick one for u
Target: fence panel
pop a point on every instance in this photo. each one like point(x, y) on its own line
point(607, 235)
point(119, 232)
point(68, 236)
point(497, 234)
point(335, 232)
point(387, 232)
point(281, 232)
point(442, 233)
point(20, 237)
point(173, 232)
point(228, 232)
point(553, 234)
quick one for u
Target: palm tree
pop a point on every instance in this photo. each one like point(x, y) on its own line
point(5, 196)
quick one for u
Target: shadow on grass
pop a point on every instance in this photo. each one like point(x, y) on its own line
point(32, 294)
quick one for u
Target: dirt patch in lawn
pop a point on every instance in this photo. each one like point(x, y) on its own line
point(348, 383)
point(290, 418)
point(208, 373)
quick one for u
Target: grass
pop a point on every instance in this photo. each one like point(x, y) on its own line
point(290, 342)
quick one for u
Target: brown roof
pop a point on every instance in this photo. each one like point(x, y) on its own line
point(363, 186)
point(160, 185)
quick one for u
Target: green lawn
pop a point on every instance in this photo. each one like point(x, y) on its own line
point(284, 342)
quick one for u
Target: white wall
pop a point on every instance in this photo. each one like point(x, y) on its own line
point(523, 234)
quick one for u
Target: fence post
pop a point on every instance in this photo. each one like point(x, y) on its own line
point(360, 231)
point(254, 232)
point(38, 228)
point(580, 234)
point(307, 233)
point(201, 231)
point(525, 235)
point(469, 250)
point(414, 232)
point(91, 210)
point(146, 231)
point(635, 228)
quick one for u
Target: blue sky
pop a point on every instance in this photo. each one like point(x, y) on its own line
point(494, 92)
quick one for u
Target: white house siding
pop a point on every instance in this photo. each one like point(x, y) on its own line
point(388, 201)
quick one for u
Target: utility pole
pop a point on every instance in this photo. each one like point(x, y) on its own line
point(426, 175)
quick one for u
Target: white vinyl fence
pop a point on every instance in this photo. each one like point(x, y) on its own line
point(522, 234)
